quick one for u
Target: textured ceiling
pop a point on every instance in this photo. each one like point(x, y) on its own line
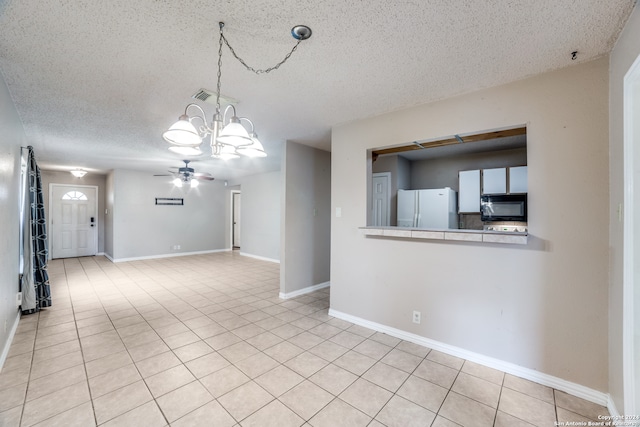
point(96, 83)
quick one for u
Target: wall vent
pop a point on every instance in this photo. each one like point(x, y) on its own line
point(209, 96)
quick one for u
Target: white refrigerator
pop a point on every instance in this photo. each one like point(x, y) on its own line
point(427, 208)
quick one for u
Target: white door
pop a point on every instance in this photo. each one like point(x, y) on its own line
point(381, 208)
point(236, 220)
point(74, 226)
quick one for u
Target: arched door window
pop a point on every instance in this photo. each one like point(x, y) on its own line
point(74, 195)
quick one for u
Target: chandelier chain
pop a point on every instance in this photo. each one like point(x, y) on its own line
point(250, 68)
point(219, 71)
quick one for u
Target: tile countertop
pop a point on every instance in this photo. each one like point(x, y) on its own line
point(483, 236)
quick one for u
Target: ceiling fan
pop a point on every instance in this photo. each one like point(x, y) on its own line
point(186, 174)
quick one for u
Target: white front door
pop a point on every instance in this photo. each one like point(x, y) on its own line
point(73, 226)
point(381, 208)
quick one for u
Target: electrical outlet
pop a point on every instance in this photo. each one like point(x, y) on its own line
point(19, 299)
point(416, 317)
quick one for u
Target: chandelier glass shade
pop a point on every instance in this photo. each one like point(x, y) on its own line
point(228, 139)
point(183, 133)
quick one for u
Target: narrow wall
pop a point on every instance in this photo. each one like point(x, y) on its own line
point(11, 138)
point(260, 215)
point(143, 229)
point(61, 177)
point(541, 306)
point(623, 55)
point(108, 216)
point(306, 218)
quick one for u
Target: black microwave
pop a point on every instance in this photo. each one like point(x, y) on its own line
point(503, 207)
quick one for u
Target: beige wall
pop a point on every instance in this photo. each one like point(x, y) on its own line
point(624, 54)
point(260, 215)
point(542, 306)
point(143, 229)
point(11, 138)
point(305, 222)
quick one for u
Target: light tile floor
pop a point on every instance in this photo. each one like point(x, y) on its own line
point(205, 340)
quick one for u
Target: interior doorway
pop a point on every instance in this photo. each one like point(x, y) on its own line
point(381, 204)
point(73, 225)
point(235, 219)
point(631, 274)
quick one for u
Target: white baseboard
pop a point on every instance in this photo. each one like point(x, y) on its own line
point(574, 389)
point(611, 406)
point(7, 345)
point(277, 261)
point(115, 260)
point(303, 291)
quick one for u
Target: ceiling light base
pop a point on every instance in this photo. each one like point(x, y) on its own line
point(301, 32)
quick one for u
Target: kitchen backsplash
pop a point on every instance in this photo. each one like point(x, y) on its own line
point(472, 222)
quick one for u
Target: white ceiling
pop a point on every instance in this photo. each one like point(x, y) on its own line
point(97, 82)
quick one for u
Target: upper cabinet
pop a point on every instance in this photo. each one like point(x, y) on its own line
point(518, 179)
point(469, 191)
point(494, 181)
point(473, 183)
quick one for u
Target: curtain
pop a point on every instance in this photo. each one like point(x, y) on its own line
point(36, 292)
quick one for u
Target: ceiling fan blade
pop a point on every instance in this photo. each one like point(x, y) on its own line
point(205, 174)
point(164, 174)
point(204, 178)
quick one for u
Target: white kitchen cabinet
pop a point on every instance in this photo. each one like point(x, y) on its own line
point(494, 181)
point(518, 179)
point(469, 191)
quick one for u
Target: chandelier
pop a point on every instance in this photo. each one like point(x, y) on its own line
point(229, 136)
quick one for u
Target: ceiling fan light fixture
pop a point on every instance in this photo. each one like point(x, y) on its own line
point(183, 133)
point(194, 183)
point(177, 182)
point(78, 173)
